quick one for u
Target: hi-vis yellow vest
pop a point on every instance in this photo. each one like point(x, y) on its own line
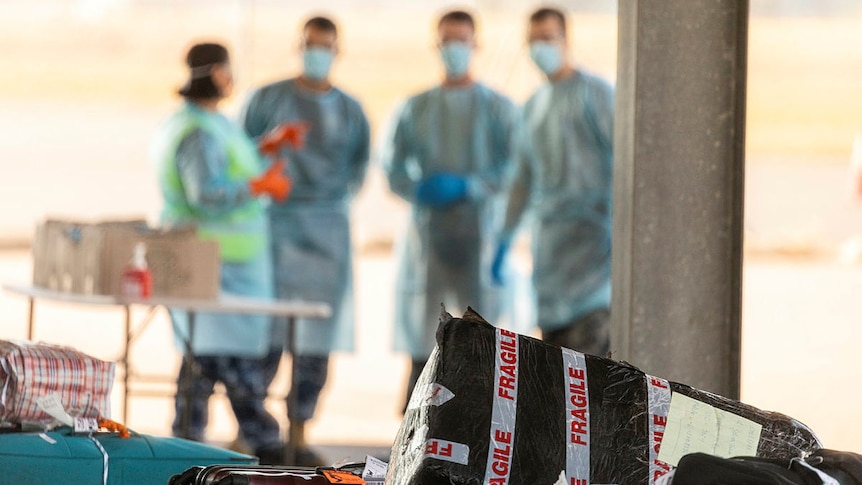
point(242, 232)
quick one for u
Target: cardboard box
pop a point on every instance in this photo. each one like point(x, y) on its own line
point(89, 258)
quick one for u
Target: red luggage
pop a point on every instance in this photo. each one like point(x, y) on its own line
point(269, 475)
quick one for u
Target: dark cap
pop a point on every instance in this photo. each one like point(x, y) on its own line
point(200, 60)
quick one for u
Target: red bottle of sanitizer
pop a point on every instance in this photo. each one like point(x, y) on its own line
point(137, 281)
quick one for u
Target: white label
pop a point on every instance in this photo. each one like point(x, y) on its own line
point(48, 438)
point(51, 404)
point(695, 426)
point(86, 425)
point(502, 444)
point(430, 395)
point(447, 451)
point(374, 468)
point(658, 391)
point(577, 418)
point(562, 478)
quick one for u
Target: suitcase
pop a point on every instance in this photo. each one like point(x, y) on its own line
point(102, 458)
point(269, 475)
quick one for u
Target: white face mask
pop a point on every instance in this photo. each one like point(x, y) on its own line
point(547, 56)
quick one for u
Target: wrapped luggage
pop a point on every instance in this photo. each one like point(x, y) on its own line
point(31, 371)
point(493, 407)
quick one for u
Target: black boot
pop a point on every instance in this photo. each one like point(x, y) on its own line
point(271, 455)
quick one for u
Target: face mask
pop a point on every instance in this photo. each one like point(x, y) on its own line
point(456, 58)
point(316, 62)
point(547, 56)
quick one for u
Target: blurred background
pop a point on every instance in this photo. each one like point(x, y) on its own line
point(85, 83)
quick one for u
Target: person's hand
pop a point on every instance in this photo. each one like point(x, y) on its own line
point(292, 134)
point(273, 182)
point(441, 190)
point(497, 266)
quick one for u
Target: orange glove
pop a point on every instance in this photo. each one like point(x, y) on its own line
point(292, 134)
point(114, 426)
point(272, 182)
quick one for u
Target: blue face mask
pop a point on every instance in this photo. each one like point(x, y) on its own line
point(316, 62)
point(548, 57)
point(456, 58)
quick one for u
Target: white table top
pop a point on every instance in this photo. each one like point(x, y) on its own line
point(223, 304)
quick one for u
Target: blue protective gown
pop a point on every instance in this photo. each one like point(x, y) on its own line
point(565, 177)
point(311, 242)
point(209, 196)
point(446, 254)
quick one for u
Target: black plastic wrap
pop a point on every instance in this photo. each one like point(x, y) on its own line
point(483, 384)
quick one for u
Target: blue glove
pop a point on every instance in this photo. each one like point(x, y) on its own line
point(499, 262)
point(441, 190)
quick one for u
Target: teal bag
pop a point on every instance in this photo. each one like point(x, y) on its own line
point(103, 458)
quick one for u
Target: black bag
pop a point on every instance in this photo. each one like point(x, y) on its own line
point(845, 466)
point(701, 469)
point(495, 407)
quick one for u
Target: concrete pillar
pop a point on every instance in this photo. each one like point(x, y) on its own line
point(678, 189)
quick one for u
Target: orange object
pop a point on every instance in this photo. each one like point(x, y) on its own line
point(338, 476)
point(273, 182)
point(292, 134)
point(114, 426)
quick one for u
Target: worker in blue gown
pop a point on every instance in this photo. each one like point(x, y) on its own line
point(565, 179)
point(311, 244)
point(211, 177)
point(450, 155)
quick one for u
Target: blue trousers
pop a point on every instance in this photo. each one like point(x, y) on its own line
point(310, 372)
point(246, 385)
point(589, 334)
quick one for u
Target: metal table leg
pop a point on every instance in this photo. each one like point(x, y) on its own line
point(128, 317)
point(292, 398)
point(126, 357)
point(187, 380)
point(30, 308)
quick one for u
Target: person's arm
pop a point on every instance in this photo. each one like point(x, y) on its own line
point(398, 157)
point(202, 165)
point(496, 177)
point(600, 116)
point(518, 201)
point(520, 193)
point(361, 150)
point(251, 116)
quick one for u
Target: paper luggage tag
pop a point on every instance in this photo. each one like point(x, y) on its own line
point(86, 425)
point(375, 470)
point(51, 404)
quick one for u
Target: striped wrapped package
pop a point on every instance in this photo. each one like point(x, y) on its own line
point(496, 408)
point(30, 371)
